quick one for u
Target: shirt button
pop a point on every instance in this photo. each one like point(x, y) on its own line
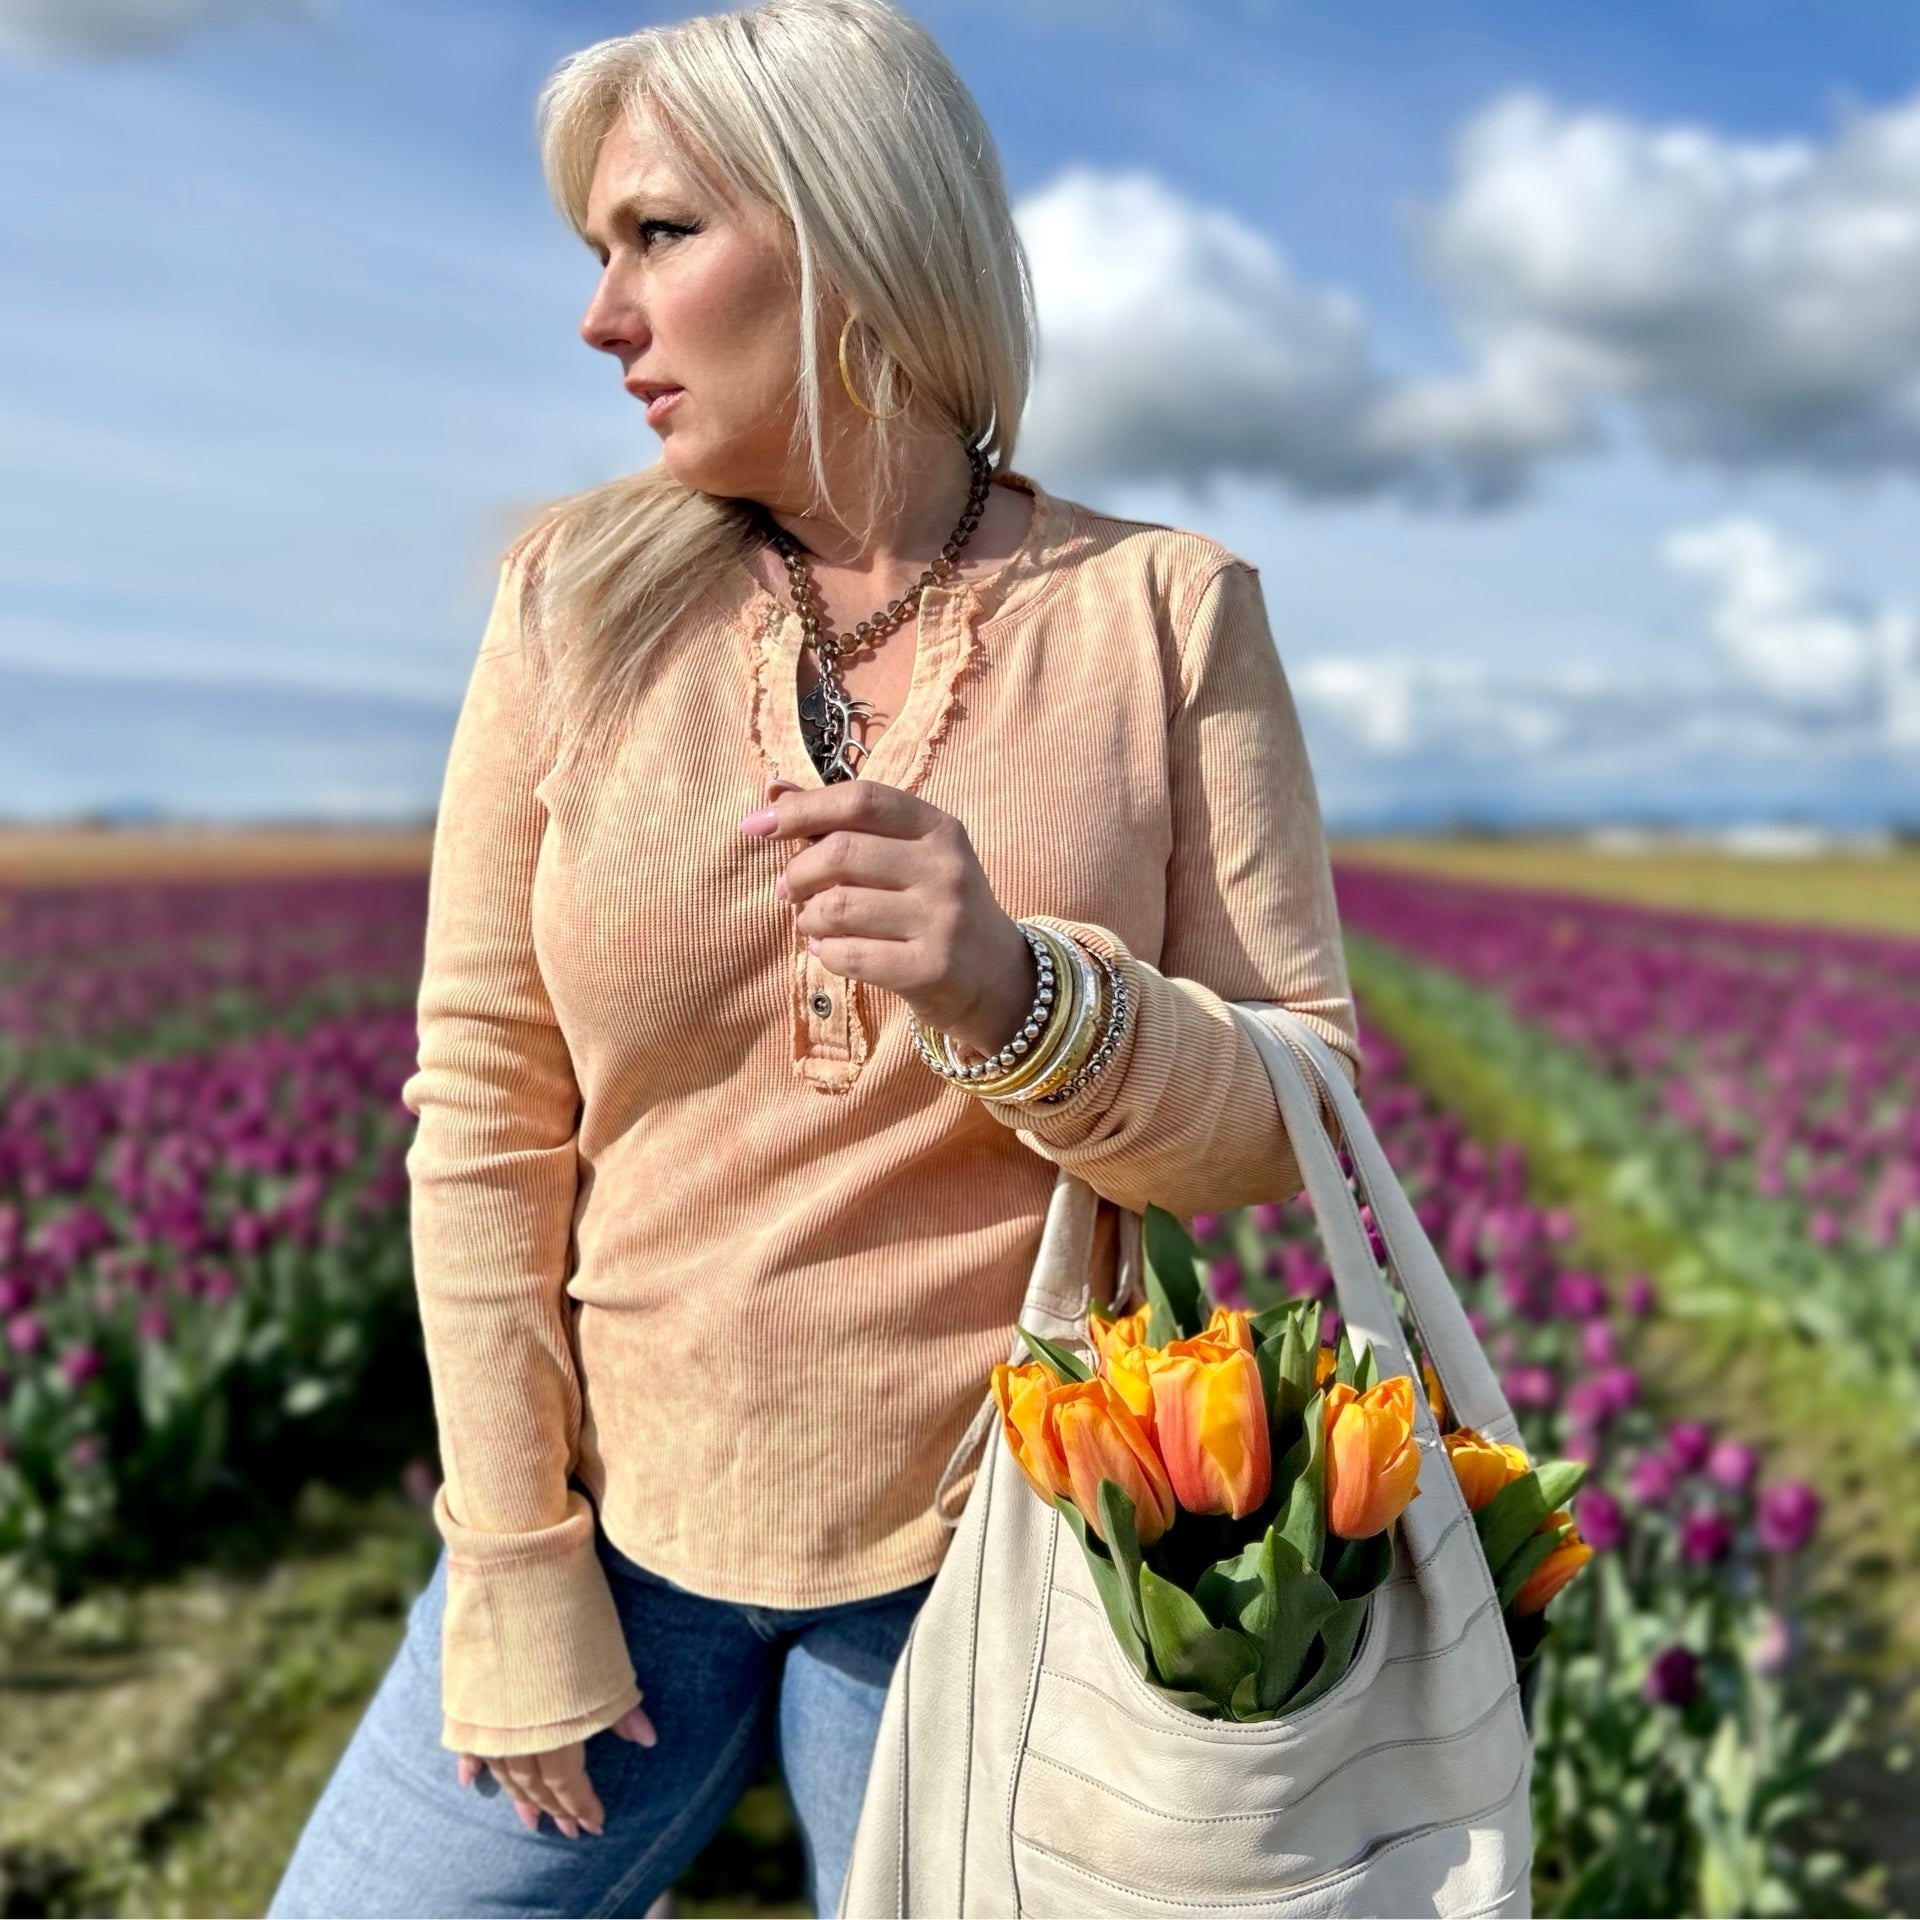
point(822, 1004)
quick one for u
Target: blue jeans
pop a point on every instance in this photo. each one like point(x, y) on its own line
point(394, 1833)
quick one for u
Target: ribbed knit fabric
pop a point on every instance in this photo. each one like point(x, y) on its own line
point(691, 1218)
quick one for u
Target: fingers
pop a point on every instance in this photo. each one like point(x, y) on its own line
point(842, 858)
point(865, 806)
point(553, 1783)
point(843, 913)
point(634, 1725)
point(574, 1792)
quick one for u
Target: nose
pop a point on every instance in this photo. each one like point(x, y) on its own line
point(613, 322)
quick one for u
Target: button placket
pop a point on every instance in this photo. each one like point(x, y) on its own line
point(824, 996)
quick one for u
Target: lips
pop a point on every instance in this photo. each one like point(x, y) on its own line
point(657, 396)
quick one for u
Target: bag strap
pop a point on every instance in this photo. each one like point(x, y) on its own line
point(1472, 1389)
point(1059, 1292)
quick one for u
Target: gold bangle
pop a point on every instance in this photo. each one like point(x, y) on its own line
point(1069, 993)
point(1080, 1043)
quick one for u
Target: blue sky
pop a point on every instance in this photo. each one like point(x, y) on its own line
point(1559, 367)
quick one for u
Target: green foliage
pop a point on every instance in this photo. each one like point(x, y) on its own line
point(1178, 1306)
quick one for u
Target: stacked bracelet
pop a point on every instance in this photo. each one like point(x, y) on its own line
point(1069, 1035)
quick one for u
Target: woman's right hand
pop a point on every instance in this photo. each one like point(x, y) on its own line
point(555, 1782)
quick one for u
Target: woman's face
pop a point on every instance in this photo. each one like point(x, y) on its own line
point(697, 302)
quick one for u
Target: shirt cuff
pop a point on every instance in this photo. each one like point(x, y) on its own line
point(533, 1654)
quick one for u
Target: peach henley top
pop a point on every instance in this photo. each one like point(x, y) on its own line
point(692, 1222)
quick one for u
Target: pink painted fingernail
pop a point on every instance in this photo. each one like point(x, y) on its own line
point(763, 820)
point(780, 886)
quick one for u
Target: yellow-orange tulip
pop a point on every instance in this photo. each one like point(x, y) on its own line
point(1482, 1466)
point(1210, 1423)
point(1021, 1392)
point(1130, 1368)
point(1436, 1394)
point(1230, 1324)
point(1373, 1466)
point(1100, 1440)
point(1129, 1362)
point(1116, 1336)
point(1324, 1364)
point(1557, 1568)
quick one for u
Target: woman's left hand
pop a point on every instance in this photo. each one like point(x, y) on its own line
point(891, 892)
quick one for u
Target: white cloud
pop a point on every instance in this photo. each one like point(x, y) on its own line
point(1753, 304)
point(1801, 691)
point(1757, 302)
point(1175, 340)
point(39, 28)
point(1787, 634)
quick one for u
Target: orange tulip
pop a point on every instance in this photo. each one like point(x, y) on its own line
point(1230, 1324)
point(1100, 1440)
point(1129, 1369)
point(1210, 1423)
point(1116, 1336)
point(1128, 1361)
point(1324, 1364)
point(1373, 1466)
point(1482, 1466)
point(1021, 1392)
point(1557, 1568)
point(1436, 1394)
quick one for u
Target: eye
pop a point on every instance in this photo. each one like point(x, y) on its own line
point(649, 229)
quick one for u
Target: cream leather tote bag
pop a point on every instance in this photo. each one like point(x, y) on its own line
point(1023, 1765)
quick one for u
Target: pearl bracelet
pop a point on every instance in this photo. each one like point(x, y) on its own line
point(1038, 1018)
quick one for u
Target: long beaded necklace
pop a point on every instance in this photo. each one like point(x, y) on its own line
point(827, 709)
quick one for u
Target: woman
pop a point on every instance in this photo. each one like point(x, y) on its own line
point(737, 1134)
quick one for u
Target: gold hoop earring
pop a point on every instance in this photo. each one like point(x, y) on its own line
point(846, 379)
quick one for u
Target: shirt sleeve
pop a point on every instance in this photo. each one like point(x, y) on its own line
point(532, 1651)
point(1183, 1115)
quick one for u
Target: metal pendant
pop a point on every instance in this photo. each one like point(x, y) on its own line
point(825, 715)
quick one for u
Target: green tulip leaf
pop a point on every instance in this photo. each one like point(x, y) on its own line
point(1294, 1604)
point(1345, 1360)
point(1338, 1636)
point(1521, 1567)
point(1559, 1481)
point(1361, 1567)
point(1514, 1514)
point(1272, 1322)
point(1107, 1583)
point(1179, 1303)
point(1229, 1587)
point(1305, 1520)
point(1188, 1649)
point(1507, 1520)
point(1117, 1522)
point(1069, 1366)
point(1245, 1704)
point(1366, 1370)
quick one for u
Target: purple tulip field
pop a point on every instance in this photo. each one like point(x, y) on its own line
point(206, 1301)
point(203, 1261)
point(1756, 1087)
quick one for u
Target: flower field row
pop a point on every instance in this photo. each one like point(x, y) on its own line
point(106, 972)
point(205, 1287)
point(1673, 1768)
point(1756, 1089)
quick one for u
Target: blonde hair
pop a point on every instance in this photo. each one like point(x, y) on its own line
point(847, 120)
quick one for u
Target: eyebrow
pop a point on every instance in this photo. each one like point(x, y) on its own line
point(620, 210)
